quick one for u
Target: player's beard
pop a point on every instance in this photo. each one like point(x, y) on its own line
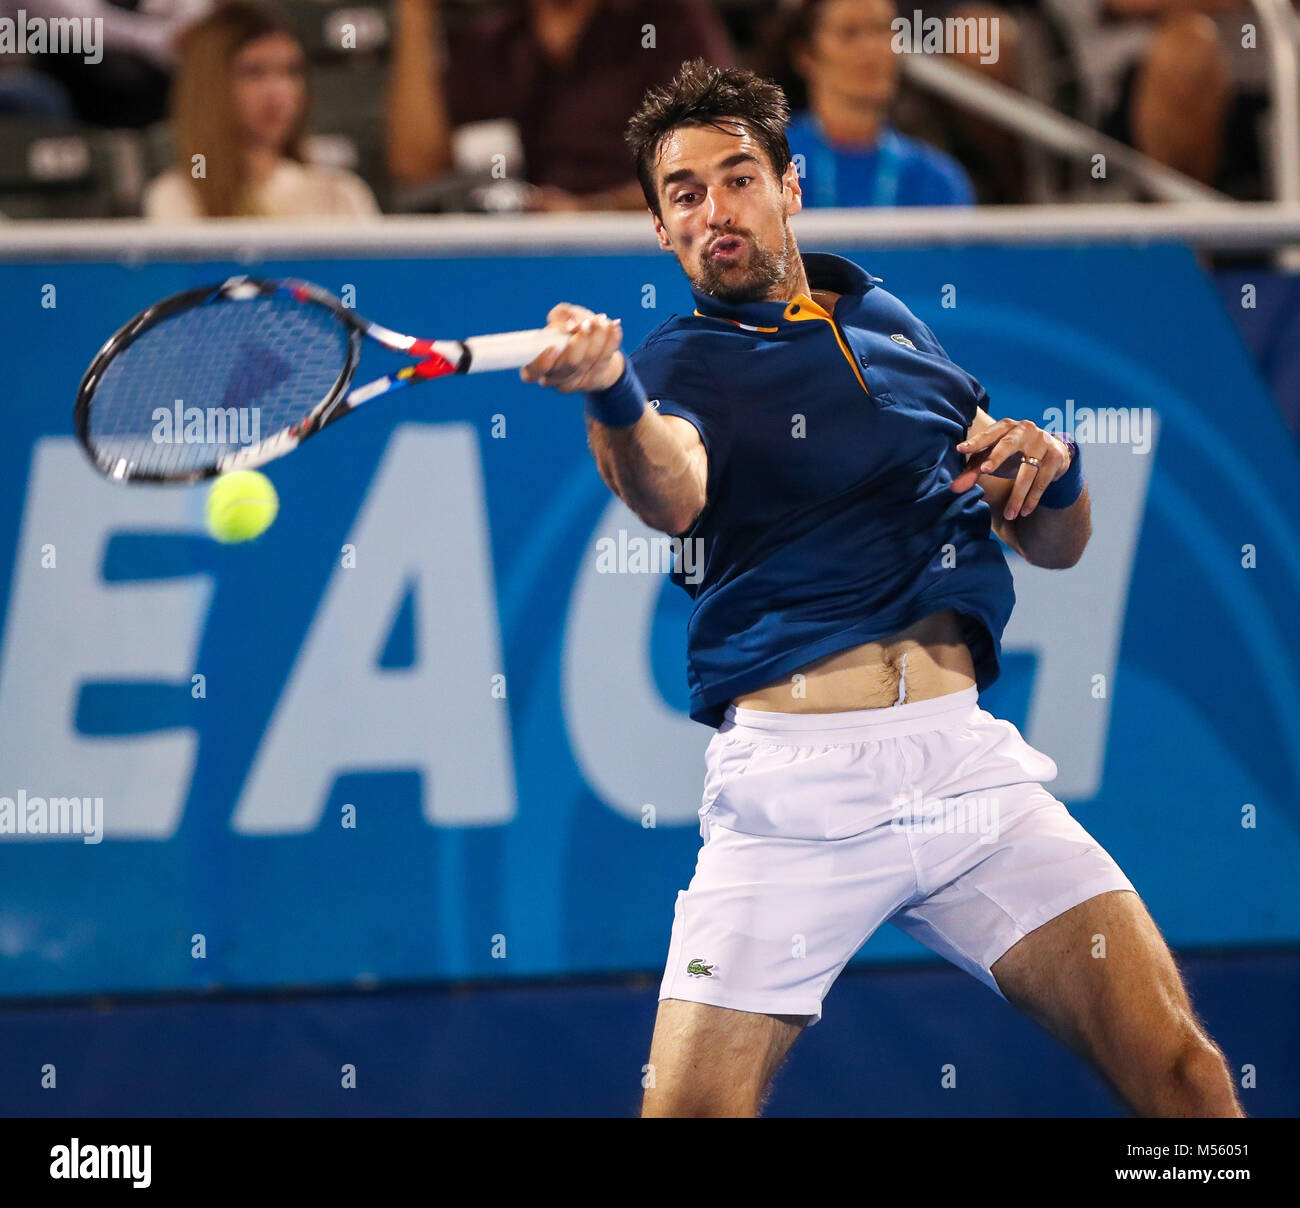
point(766, 270)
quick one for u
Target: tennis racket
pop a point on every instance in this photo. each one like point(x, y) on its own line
point(234, 375)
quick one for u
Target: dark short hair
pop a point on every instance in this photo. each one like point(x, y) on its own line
point(703, 95)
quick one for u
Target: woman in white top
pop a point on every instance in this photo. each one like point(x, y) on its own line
point(239, 110)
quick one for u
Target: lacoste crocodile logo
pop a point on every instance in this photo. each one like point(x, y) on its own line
point(697, 968)
point(901, 339)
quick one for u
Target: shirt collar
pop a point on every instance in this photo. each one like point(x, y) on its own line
point(824, 272)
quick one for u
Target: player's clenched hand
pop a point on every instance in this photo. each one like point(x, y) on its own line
point(1008, 449)
point(589, 359)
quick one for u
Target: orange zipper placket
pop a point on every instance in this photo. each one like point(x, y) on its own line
point(802, 308)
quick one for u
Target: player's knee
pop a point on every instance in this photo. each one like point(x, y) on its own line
point(1185, 1076)
point(698, 1103)
point(705, 1093)
point(1198, 1071)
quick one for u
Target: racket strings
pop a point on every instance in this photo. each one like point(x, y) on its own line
point(214, 380)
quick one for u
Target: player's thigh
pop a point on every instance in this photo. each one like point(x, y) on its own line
point(707, 1060)
point(1101, 977)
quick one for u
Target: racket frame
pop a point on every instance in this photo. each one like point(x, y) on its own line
point(437, 358)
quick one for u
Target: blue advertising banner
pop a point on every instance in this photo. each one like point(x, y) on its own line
point(432, 724)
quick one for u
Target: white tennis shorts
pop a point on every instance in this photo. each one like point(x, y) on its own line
point(817, 828)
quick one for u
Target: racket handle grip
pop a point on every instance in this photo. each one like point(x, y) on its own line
point(511, 349)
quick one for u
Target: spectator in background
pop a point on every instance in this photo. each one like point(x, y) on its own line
point(851, 155)
point(568, 73)
point(1172, 78)
point(128, 86)
point(28, 93)
point(239, 111)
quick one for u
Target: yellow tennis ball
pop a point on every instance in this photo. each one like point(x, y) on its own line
point(241, 505)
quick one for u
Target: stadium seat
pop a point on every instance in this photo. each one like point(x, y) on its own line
point(331, 31)
point(348, 120)
point(67, 170)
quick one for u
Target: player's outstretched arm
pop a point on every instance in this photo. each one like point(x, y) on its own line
point(1043, 528)
point(656, 464)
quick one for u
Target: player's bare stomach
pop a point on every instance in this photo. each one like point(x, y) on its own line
point(868, 676)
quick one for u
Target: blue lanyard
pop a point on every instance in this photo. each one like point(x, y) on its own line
point(825, 178)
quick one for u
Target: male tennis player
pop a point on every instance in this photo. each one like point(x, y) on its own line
point(844, 480)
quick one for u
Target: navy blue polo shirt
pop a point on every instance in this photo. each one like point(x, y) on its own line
point(829, 522)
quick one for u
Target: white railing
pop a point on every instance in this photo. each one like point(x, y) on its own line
point(1075, 140)
point(1043, 125)
point(1282, 41)
point(1243, 226)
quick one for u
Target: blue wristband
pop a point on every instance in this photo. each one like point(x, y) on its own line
point(619, 405)
point(1066, 489)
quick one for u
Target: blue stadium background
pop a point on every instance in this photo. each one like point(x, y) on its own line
point(488, 938)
